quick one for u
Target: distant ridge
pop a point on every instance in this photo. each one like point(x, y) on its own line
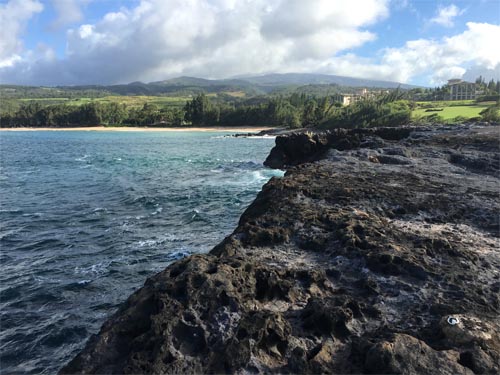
point(318, 79)
point(284, 79)
point(249, 85)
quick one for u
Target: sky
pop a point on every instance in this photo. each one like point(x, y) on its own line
point(74, 42)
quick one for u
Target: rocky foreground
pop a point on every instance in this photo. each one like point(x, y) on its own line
point(378, 252)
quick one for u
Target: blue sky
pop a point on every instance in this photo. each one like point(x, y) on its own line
point(116, 41)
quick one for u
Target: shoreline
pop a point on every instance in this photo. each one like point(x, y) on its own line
point(246, 129)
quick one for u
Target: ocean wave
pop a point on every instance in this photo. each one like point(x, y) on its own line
point(11, 211)
point(194, 215)
point(51, 243)
point(34, 214)
point(159, 240)
point(145, 201)
point(77, 285)
point(261, 137)
point(250, 164)
point(9, 233)
point(157, 211)
point(179, 254)
point(83, 158)
point(96, 269)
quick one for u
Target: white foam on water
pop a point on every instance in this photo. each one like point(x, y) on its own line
point(97, 269)
point(82, 158)
point(13, 211)
point(261, 137)
point(158, 241)
point(157, 211)
point(179, 254)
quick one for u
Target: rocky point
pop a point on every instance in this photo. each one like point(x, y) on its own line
point(377, 252)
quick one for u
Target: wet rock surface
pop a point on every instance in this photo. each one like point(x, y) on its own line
point(378, 252)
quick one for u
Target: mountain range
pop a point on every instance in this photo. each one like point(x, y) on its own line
point(249, 85)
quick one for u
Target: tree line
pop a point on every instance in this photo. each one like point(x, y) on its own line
point(34, 114)
point(301, 110)
point(293, 111)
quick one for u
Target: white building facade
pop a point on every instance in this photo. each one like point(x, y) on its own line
point(461, 90)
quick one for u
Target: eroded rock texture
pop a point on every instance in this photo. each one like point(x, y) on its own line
point(351, 263)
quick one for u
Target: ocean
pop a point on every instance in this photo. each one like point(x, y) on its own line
point(86, 217)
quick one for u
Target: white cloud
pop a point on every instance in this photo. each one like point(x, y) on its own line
point(212, 38)
point(158, 39)
point(474, 72)
point(445, 15)
point(68, 12)
point(438, 59)
point(13, 17)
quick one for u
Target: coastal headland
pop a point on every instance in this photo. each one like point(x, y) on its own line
point(377, 252)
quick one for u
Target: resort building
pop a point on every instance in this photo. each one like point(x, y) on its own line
point(346, 99)
point(461, 90)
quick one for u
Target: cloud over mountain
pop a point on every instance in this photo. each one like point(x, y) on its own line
point(210, 38)
point(157, 39)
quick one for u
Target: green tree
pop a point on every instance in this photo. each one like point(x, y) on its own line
point(197, 110)
point(309, 113)
point(113, 113)
point(149, 114)
point(491, 114)
point(492, 86)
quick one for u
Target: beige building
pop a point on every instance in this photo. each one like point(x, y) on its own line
point(360, 94)
point(347, 99)
point(461, 90)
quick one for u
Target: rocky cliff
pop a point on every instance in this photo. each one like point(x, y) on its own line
point(378, 252)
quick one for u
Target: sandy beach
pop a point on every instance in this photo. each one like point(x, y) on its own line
point(148, 129)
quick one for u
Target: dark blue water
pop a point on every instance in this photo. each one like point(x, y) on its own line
point(86, 217)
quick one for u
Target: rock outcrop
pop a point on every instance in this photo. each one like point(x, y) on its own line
point(378, 252)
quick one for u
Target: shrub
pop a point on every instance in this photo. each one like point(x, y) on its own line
point(460, 119)
point(488, 98)
point(491, 114)
point(371, 113)
point(434, 119)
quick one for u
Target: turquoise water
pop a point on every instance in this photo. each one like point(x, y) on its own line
point(86, 217)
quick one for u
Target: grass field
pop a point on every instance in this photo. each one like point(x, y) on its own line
point(449, 110)
point(130, 101)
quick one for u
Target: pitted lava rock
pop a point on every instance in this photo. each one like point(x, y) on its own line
point(351, 263)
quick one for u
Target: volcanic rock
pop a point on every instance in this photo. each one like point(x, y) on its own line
point(377, 252)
